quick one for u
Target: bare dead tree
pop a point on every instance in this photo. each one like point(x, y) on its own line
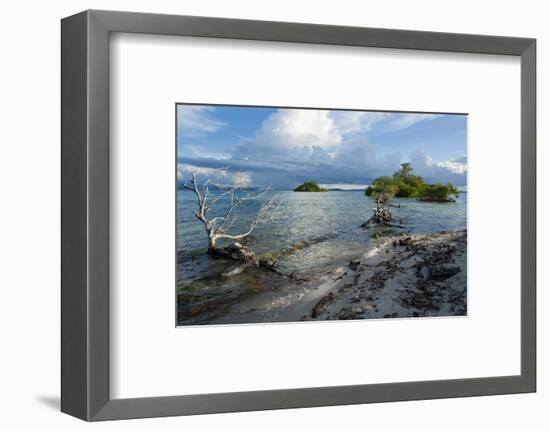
point(383, 194)
point(235, 195)
point(381, 211)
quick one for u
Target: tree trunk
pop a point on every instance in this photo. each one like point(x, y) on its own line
point(211, 243)
point(381, 215)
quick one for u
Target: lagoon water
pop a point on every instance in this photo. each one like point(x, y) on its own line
point(315, 231)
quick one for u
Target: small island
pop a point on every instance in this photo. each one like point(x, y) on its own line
point(403, 184)
point(310, 186)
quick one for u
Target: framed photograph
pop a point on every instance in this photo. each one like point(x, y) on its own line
point(265, 215)
point(289, 214)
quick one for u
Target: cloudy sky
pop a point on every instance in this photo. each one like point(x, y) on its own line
point(285, 147)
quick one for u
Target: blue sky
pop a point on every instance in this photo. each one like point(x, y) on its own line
point(284, 147)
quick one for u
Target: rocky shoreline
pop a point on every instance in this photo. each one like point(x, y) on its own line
point(407, 275)
point(403, 276)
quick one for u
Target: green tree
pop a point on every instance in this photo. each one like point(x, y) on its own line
point(408, 185)
point(405, 171)
point(383, 190)
point(439, 193)
point(382, 186)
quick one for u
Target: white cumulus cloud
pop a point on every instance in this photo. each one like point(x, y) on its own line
point(441, 172)
point(458, 165)
point(292, 134)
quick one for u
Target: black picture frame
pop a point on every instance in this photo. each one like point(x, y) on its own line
point(85, 214)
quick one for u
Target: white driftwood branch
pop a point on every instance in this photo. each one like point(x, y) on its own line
point(219, 227)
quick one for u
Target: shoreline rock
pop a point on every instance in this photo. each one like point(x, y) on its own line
point(410, 275)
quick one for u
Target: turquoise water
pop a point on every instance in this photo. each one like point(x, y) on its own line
point(316, 230)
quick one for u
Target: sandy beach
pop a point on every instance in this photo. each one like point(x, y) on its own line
point(404, 276)
point(407, 275)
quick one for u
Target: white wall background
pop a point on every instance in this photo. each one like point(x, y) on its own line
point(29, 215)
